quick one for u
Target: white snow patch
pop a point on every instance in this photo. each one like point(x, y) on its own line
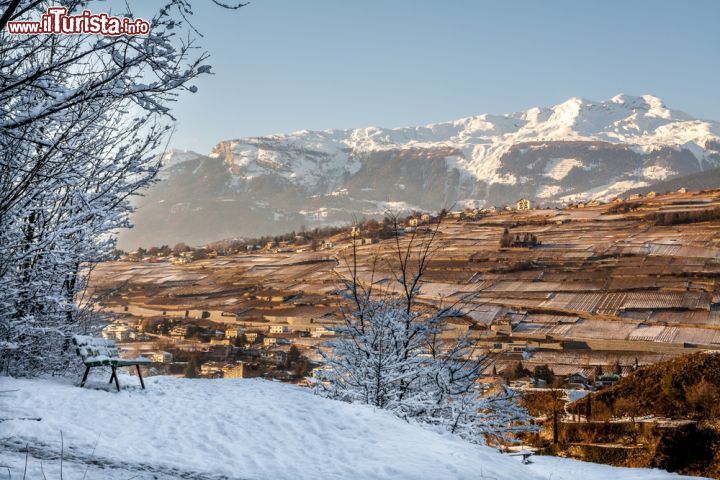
point(243, 429)
point(547, 191)
point(605, 192)
point(657, 172)
point(558, 168)
point(318, 214)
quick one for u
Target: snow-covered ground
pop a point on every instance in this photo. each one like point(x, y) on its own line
point(238, 429)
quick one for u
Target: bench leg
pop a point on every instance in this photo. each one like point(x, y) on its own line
point(82, 383)
point(114, 375)
point(140, 375)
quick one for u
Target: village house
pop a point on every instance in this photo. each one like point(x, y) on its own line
point(578, 380)
point(279, 329)
point(234, 370)
point(180, 260)
point(134, 256)
point(161, 357)
point(523, 204)
point(118, 332)
point(607, 380)
point(363, 241)
point(277, 354)
point(179, 331)
point(320, 331)
point(276, 340)
point(139, 336)
point(212, 369)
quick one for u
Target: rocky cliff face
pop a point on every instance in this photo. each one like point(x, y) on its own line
point(576, 150)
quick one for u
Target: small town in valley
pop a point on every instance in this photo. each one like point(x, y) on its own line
point(571, 299)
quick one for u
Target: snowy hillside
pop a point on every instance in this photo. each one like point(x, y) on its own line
point(576, 150)
point(239, 429)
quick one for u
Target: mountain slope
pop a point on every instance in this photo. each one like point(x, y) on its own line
point(578, 149)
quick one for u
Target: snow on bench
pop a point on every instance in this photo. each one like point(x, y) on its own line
point(525, 453)
point(98, 352)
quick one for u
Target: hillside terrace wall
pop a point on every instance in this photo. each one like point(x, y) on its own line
point(217, 316)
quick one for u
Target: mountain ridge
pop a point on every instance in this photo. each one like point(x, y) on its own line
point(576, 150)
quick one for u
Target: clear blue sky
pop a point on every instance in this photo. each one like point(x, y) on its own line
point(285, 65)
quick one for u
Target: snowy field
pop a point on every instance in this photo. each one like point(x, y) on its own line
point(238, 429)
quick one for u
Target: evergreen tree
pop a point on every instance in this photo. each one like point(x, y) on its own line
point(241, 340)
point(543, 372)
point(506, 239)
point(165, 326)
point(192, 370)
point(520, 371)
point(293, 357)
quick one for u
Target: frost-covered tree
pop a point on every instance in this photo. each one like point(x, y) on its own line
point(82, 120)
point(389, 353)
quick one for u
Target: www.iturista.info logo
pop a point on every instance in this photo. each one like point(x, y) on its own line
point(57, 21)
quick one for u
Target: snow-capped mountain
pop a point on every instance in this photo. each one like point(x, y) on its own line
point(578, 149)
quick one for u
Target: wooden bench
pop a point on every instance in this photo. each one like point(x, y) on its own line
point(98, 352)
point(525, 454)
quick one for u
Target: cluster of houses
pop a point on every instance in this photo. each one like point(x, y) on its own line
point(525, 204)
point(475, 213)
point(265, 342)
point(214, 369)
point(300, 245)
point(176, 258)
